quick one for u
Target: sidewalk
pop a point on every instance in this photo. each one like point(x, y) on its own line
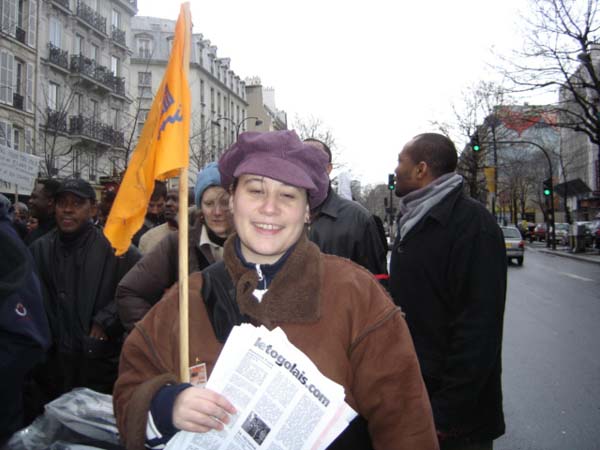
point(590, 255)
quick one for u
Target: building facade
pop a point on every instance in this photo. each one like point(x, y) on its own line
point(83, 99)
point(219, 106)
point(261, 106)
point(18, 63)
point(581, 175)
point(520, 134)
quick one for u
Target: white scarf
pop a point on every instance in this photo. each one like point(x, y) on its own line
point(414, 205)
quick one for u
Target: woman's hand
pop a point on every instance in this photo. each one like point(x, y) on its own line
point(201, 410)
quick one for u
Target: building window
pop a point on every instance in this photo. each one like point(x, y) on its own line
point(6, 133)
point(219, 104)
point(78, 47)
point(202, 104)
point(55, 32)
point(7, 73)
point(142, 116)
point(9, 16)
point(17, 138)
point(114, 65)
point(116, 19)
point(94, 52)
point(94, 109)
point(212, 100)
point(200, 47)
point(144, 48)
point(52, 96)
point(78, 103)
point(170, 43)
point(144, 84)
point(115, 116)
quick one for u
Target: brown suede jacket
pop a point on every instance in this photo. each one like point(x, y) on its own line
point(330, 308)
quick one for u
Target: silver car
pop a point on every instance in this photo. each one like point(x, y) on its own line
point(515, 245)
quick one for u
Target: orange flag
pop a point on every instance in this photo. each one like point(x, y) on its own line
point(163, 146)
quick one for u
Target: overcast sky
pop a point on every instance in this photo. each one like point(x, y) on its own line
point(376, 72)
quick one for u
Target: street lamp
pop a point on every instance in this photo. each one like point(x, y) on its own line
point(239, 124)
point(548, 184)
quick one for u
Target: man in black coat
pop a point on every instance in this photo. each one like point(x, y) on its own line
point(448, 273)
point(79, 273)
point(41, 206)
point(345, 228)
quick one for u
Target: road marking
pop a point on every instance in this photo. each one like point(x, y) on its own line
point(577, 277)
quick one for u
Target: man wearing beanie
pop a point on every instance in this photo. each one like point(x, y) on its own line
point(153, 236)
point(79, 274)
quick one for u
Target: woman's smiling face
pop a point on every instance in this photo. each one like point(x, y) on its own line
point(269, 217)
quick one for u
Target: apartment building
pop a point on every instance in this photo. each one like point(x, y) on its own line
point(83, 98)
point(219, 104)
point(18, 53)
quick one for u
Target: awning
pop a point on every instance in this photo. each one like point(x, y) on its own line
point(572, 188)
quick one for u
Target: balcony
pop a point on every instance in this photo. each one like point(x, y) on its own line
point(58, 57)
point(99, 76)
point(118, 36)
point(17, 101)
point(96, 132)
point(56, 121)
point(129, 5)
point(91, 17)
point(21, 35)
point(63, 4)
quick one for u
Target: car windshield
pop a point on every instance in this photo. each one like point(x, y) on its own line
point(511, 233)
point(562, 226)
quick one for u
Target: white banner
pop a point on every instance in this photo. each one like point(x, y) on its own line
point(18, 168)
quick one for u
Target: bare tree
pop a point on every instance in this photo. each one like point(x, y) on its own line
point(559, 51)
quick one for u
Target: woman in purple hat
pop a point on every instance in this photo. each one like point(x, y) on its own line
point(271, 274)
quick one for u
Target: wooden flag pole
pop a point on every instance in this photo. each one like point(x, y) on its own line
point(184, 339)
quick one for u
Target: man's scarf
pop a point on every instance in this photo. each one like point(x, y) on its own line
point(415, 205)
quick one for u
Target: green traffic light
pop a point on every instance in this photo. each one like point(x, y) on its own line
point(476, 148)
point(547, 192)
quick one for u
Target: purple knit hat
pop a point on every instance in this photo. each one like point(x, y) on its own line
point(279, 155)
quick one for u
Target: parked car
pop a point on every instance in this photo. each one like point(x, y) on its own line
point(539, 232)
point(561, 235)
point(515, 245)
point(595, 233)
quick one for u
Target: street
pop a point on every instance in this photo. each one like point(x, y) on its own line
point(551, 373)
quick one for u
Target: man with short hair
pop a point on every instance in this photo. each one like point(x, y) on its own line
point(156, 234)
point(154, 213)
point(448, 273)
point(345, 228)
point(41, 206)
point(79, 273)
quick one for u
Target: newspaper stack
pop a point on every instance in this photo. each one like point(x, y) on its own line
point(283, 402)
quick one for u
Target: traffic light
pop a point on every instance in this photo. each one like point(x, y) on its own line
point(547, 187)
point(475, 142)
point(391, 182)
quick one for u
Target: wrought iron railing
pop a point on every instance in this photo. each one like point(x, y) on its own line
point(17, 101)
point(21, 35)
point(63, 3)
point(118, 36)
point(93, 129)
point(56, 121)
point(57, 56)
point(91, 17)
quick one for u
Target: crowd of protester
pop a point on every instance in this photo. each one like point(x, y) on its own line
point(269, 243)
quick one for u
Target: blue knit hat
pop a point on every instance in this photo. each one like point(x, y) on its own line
point(207, 177)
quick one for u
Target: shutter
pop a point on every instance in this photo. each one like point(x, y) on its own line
point(3, 76)
point(29, 89)
point(9, 16)
point(2, 133)
point(9, 134)
point(32, 22)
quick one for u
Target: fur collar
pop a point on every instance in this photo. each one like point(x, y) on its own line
point(294, 293)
